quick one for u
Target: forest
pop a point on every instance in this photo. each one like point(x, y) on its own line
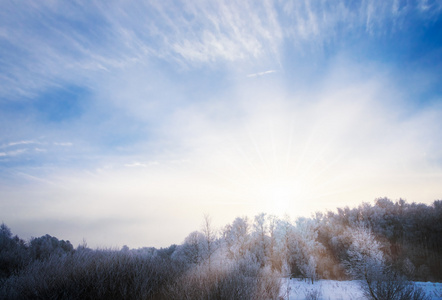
point(386, 245)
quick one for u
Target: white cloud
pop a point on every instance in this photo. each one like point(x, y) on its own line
point(63, 144)
point(261, 73)
point(228, 31)
point(14, 152)
point(24, 142)
point(143, 165)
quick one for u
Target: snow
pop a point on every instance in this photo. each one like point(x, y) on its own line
point(341, 290)
point(433, 289)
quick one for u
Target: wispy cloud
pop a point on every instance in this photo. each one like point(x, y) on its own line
point(13, 152)
point(261, 73)
point(123, 35)
point(63, 144)
point(11, 144)
point(140, 164)
point(229, 32)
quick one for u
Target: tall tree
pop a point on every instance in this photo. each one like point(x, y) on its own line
point(210, 238)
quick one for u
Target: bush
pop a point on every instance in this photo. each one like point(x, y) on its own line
point(313, 294)
point(391, 286)
point(106, 274)
point(242, 279)
point(90, 274)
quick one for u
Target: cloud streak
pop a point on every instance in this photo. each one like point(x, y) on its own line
point(261, 73)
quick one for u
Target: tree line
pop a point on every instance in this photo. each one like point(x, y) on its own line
point(386, 245)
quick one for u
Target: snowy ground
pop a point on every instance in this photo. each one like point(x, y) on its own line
point(341, 290)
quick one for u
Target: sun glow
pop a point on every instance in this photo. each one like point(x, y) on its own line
point(270, 161)
point(278, 195)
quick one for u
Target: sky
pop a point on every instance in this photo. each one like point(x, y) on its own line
point(125, 122)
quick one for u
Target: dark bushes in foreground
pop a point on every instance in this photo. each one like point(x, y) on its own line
point(105, 274)
point(88, 274)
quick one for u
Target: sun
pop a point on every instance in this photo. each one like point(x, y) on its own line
point(280, 195)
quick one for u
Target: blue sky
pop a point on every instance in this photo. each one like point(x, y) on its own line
point(125, 122)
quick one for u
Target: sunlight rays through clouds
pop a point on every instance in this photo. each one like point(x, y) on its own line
point(151, 113)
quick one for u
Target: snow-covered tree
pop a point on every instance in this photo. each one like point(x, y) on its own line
point(365, 257)
point(193, 248)
point(366, 261)
point(282, 233)
point(43, 247)
point(236, 237)
point(209, 239)
point(305, 248)
point(260, 239)
point(13, 255)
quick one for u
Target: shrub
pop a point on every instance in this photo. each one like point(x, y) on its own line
point(313, 294)
point(242, 279)
point(90, 274)
point(391, 286)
